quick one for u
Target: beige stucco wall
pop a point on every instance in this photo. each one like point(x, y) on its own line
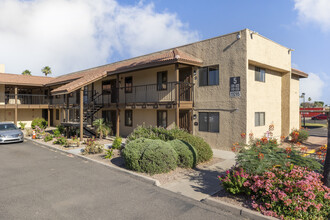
point(267, 54)
point(27, 115)
point(7, 115)
point(230, 54)
point(23, 115)
point(265, 51)
point(264, 97)
point(2, 94)
point(139, 118)
point(294, 103)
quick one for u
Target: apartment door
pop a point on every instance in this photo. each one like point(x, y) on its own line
point(109, 117)
point(185, 120)
point(185, 78)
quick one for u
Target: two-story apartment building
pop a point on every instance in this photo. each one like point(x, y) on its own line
point(215, 88)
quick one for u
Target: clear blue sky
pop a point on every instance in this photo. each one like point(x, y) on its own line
point(74, 35)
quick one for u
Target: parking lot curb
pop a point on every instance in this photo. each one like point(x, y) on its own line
point(131, 173)
point(236, 210)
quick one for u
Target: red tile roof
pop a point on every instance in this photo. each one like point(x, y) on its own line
point(15, 79)
point(86, 77)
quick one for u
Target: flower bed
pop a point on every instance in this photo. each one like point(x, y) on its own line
point(279, 181)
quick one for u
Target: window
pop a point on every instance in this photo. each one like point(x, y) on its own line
point(128, 84)
point(162, 80)
point(128, 118)
point(260, 74)
point(259, 118)
point(209, 76)
point(106, 87)
point(57, 114)
point(162, 118)
point(209, 121)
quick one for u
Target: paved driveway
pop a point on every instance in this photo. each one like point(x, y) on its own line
point(37, 183)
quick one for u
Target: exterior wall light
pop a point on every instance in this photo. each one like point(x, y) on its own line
point(238, 36)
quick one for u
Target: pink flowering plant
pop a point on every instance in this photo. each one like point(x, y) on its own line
point(234, 179)
point(280, 181)
point(295, 194)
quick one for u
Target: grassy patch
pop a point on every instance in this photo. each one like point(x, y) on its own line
point(315, 125)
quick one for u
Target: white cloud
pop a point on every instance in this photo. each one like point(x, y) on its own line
point(313, 87)
point(71, 35)
point(316, 11)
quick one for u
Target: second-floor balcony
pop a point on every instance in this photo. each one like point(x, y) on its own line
point(169, 94)
point(24, 99)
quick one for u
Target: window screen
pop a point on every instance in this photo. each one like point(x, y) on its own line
point(209, 121)
point(259, 118)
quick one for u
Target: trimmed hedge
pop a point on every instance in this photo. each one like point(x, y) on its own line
point(187, 155)
point(150, 156)
point(158, 157)
point(204, 151)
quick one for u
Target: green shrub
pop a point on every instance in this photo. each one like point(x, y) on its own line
point(187, 155)
point(40, 122)
point(117, 143)
point(63, 141)
point(108, 153)
point(48, 137)
point(133, 151)
point(22, 125)
point(150, 156)
point(57, 133)
point(150, 132)
point(60, 128)
point(158, 157)
point(204, 151)
point(263, 154)
point(299, 135)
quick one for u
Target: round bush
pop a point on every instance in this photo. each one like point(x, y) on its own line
point(203, 149)
point(133, 151)
point(187, 155)
point(158, 157)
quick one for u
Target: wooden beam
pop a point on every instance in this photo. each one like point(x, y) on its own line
point(48, 117)
point(67, 108)
point(16, 106)
point(177, 95)
point(118, 122)
point(81, 114)
point(117, 109)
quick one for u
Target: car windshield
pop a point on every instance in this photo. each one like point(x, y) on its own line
point(7, 127)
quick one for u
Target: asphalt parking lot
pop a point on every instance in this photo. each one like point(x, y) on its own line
point(317, 131)
point(38, 183)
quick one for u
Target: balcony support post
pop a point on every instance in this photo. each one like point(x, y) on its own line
point(81, 114)
point(117, 109)
point(177, 95)
point(48, 116)
point(16, 106)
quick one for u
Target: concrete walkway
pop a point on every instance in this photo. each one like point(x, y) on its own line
point(205, 182)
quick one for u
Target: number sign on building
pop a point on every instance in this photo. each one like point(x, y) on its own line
point(235, 87)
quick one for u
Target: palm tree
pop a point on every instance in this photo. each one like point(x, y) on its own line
point(26, 72)
point(101, 127)
point(46, 70)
